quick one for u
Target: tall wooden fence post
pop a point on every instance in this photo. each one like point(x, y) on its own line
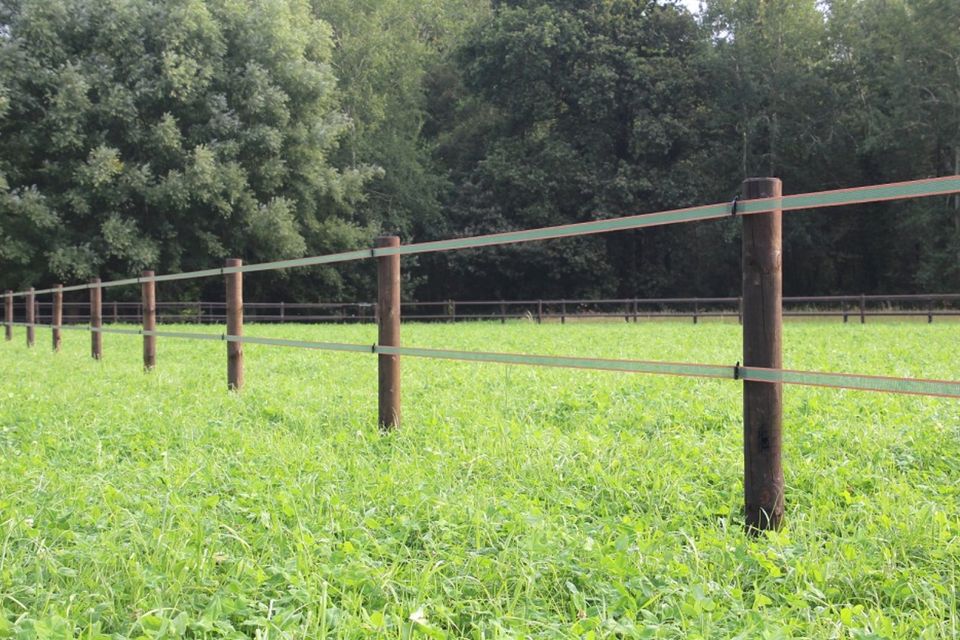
point(8, 315)
point(762, 347)
point(863, 309)
point(148, 291)
point(56, 319)
point(96, 319)
point(234, 326)
point(30, 312)
point(388, 302)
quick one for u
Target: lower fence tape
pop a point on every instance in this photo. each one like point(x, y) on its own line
point(910, 386)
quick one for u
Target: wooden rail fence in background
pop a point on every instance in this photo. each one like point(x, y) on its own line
point(856, 308)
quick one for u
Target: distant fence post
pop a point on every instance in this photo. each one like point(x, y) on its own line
point(930, 311)
point(30, 312)
point(96, 319)
point(234, 282)
point(116, 313)
point(8, 315)
point(696, 310)
point(563, 312)
point(148, 290)
point(388, 301)
point(863, 309)
point(843, 309)
point(762, 347)
point(539, 311)
point(503, 313)
point(56, 319)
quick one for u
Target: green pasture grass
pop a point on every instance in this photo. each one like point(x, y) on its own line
point(514, 502)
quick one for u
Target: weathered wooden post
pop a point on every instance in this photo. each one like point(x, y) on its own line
point(8, 315)
point(96, 319)
point(863, 309)
point(563, 312)
point(30, 311)
point(116, 313)
point(56, 319)
point(539, 311)
point(696, 310)
point(503, 313)
point(388, 302)
point(843, 308)
point(930, 311)
point(148, 295)
point(234, 326)
point(762, 347)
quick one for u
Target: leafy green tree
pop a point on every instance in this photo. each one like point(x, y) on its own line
point(168, 134)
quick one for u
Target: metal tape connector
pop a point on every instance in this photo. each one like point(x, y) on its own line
point(736, 371)
point(733, 205)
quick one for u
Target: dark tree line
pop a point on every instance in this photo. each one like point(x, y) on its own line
point(171, 134)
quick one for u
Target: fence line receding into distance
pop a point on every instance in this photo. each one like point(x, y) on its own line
point(761, 309)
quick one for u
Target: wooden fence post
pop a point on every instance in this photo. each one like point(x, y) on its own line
point(863, 309)
point(234, 326)
point(696, 310)
point(388, 302)
point(148, 292)
point(56, 319)
point(30, 311)
point(96, 319)
point(539, 311)
point(503, 313)
point(563, 312)
point(762, 347)
point(8, 315)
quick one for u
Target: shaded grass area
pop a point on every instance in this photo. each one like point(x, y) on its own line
point(515, 502)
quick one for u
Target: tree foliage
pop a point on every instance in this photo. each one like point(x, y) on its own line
point(171, 134)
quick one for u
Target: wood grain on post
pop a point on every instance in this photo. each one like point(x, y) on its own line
point(96, 319)
point(30, 311)
point(148, 291)
point(8, 315)
point(762, 347)
point(234, 283)
point(388, 303)
point(56, 320)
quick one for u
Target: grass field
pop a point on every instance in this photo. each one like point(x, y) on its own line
point(515, 502)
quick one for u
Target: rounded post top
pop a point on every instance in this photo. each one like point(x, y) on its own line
point(756, 188)
point(94, 280)
point(388, 241)
point(233, 262)
point(147, 273)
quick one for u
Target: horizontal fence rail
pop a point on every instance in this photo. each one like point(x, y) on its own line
point(817, 200)
point(909, 386)
point(761, 310)
point(858, 307)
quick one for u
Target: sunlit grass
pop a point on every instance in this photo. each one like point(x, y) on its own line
point(514, 502)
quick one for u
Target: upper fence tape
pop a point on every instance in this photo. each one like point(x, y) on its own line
point(859, 195)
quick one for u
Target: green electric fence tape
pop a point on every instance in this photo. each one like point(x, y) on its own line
point(839, 197)
point(911, 386)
